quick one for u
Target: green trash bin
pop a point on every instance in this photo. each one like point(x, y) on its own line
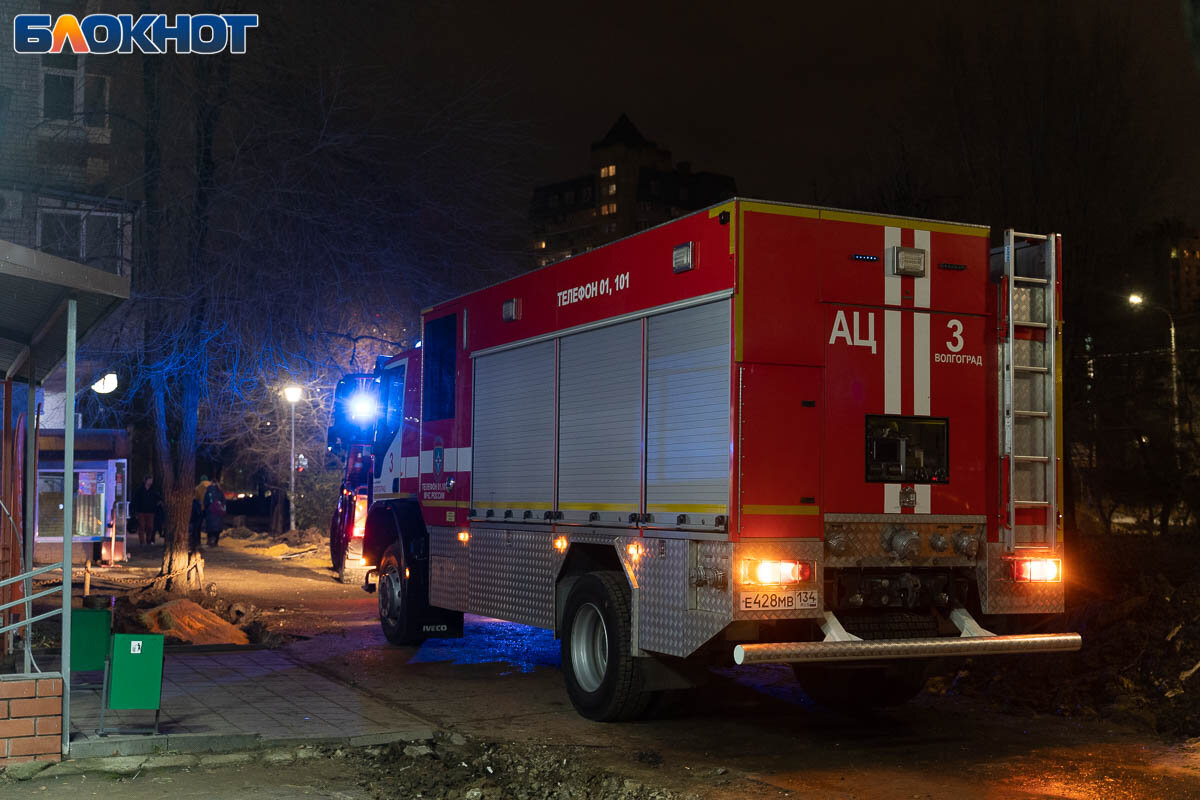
point(133, 677)
point(90, 629)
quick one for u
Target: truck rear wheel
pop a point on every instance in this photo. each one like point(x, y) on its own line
point(399, 610)
point(604, 680)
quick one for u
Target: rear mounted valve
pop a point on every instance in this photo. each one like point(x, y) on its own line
point(966, 544)
point(901, 544)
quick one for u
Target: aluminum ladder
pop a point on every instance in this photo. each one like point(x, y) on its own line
point(1029, 392)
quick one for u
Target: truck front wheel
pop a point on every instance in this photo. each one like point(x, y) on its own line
point(399, 614)
point(604, 680)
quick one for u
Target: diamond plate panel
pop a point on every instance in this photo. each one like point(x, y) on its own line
point(999, 594)
point(1029, 353)
point(1029, 480)
point(512, 573)
point(668, 621)
point(861, 544)
point(1029, 391)
point(1028, 304)
point(799, 550)
point(1029, 436)
point(448, 569)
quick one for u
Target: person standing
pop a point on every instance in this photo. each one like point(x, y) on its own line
point(196, 522)
point(214, 512)
point(145, 502)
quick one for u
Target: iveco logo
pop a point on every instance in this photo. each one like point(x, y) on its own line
point(434, 628)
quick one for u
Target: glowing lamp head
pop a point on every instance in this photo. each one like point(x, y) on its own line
point(292, 394)
point(1136, 300)
point(363, 408)
point(105, 385)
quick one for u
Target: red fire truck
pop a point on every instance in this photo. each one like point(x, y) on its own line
point(763, 432)
point(356, 427)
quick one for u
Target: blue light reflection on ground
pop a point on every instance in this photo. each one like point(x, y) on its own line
point(493, 641)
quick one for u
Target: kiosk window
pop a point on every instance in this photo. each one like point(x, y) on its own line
point(908, 449)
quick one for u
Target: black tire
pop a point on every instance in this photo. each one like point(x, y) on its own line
point(355, 576)
point(604, 680)
point(400, 610)
point(862, 687)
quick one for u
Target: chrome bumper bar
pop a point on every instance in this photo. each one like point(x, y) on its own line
point(863, 650)
point(840, 645)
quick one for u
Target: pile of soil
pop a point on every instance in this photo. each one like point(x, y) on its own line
point(453, 766)
point(1135, 599)
point(199, 618)
point(187, 621)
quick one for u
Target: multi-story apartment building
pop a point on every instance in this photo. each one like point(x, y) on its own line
point(632, 185)
point(69, 146)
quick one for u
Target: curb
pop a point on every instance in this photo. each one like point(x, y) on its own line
point(241, 750)
point(206, 743)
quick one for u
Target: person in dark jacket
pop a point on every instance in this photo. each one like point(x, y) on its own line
point(145, 504)
point(214, 512)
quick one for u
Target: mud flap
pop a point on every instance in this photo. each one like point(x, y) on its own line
point(440, 623)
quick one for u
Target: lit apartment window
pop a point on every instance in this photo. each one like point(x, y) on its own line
point(610, 189)
point(612, 208)
point(608, 208)
point(541, 245)
point(608, 171)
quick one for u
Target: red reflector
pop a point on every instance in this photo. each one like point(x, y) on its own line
point(359, 528)
point(1037, 570)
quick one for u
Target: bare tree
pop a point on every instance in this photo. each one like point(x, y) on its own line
point(300, 210)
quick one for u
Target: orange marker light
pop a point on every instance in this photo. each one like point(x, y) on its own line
point(560, 544)
point(634, 549)
point(1037, 570)
point(464, 536)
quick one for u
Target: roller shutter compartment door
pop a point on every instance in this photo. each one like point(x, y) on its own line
point(513, 438)
point(600, 424)
point(687, 415)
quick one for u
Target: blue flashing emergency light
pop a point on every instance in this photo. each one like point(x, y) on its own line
point(363, 408)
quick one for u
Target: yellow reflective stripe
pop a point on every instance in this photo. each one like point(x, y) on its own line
point(1058, 428)
point(698, 508)
point(515, 504)
point(442, 503)
point(741, 285)
point(715, 212)
point(785, 210)
point(395, 496)
point(907, 222)
point(597, 507)
point(799, 511)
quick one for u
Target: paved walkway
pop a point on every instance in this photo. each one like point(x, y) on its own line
point(222, 701)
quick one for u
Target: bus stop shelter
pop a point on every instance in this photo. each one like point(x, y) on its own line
point(47, 304)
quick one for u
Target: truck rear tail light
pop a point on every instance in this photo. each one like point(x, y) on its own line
point(1037, 570)
point(775, 573)
point(359, 528)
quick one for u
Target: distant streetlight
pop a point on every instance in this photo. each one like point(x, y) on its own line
point(106, 385)
point(1137, 301)
point(292, 394)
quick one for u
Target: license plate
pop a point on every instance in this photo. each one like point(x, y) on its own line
point(777, 601)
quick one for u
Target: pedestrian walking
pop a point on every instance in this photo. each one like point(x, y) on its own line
point(214, 512)
point(145, 503)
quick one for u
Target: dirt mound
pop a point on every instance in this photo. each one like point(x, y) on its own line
point(190, 622)
point(455, 767)
point(1136, 602)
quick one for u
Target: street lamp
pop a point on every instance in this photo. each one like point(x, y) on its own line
point(1137, 301)
point(292, 394)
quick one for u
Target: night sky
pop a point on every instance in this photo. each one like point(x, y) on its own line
point(792, 99)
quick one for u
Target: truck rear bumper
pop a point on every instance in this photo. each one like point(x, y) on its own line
point(863, 650)
point(840, 645)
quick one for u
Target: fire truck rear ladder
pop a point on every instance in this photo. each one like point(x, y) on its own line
point(1028, 370)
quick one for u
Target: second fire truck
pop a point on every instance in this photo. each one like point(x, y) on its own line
point(760, 433)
